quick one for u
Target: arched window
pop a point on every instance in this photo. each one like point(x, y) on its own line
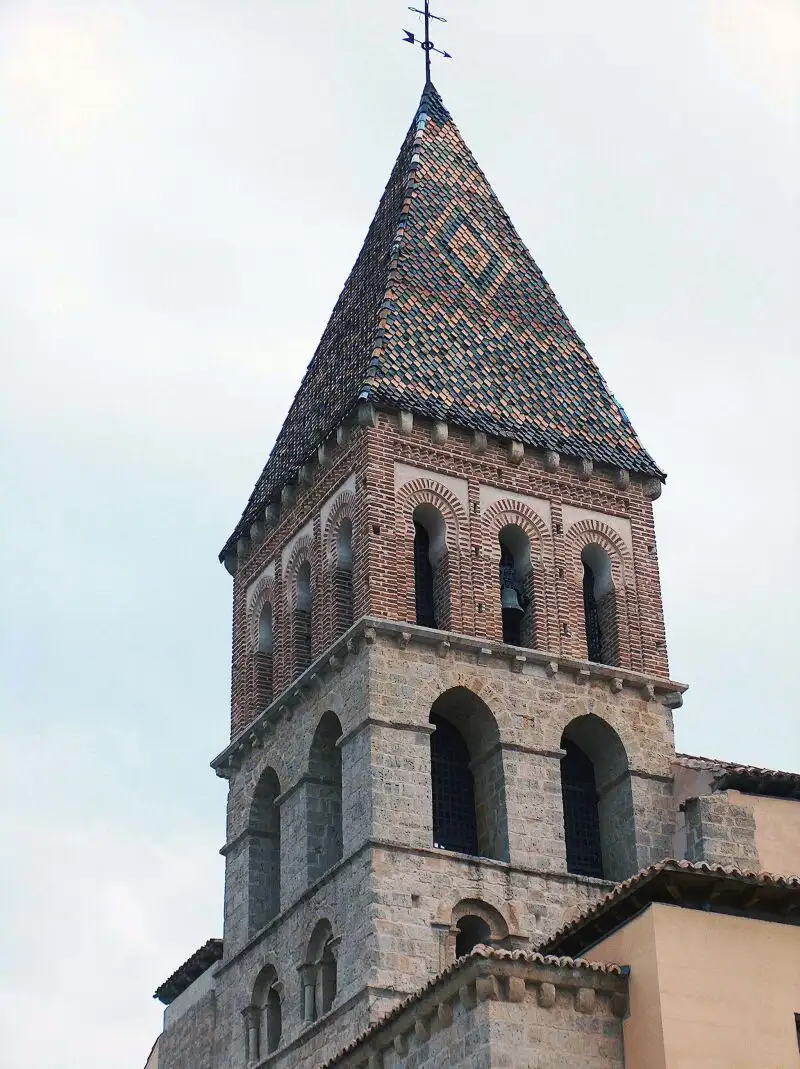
point(264, 1025)
point(599, 829)
point(264, 853)
point(599, 606)
point(343, 579)
point(324, 798)
point(516, 587)
point(264, 658)
point(431, 577)
point(467, 779)
point(472, 931)
point(302, 619)
point(319, 973)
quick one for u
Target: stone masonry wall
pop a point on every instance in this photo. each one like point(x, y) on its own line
point(721, 832)
point(191, 1041)
point(392, 899)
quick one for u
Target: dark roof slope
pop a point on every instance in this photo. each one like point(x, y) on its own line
point(191, 970)
point(749, 779)
point(446, 314)
point(694, 885)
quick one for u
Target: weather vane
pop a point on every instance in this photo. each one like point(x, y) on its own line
point(427, 45)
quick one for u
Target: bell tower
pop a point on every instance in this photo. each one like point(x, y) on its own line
point(451, 706)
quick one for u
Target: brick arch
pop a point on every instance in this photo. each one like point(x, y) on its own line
point(264, 592)
point(594, 532)
point(343, 508)
point(428, 491)
point(543, 628)
point(302, 551)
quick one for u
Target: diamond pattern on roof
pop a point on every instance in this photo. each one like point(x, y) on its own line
point(445, 313)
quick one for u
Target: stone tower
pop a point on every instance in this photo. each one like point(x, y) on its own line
point(451, 708)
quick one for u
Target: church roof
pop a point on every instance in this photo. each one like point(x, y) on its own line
point(191, 970)
point(446, 314)
point(691, 884)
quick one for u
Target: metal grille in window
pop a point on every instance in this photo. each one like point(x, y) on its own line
point(581, 818)
point(594, 636)
point(423, 577)
point(453, 789)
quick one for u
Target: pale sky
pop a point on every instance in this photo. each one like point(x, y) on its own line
point(185, 186)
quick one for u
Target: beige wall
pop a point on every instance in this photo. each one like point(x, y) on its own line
point(777, 831)
point(708, 990)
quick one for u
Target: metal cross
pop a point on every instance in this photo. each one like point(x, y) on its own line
point(427, 44)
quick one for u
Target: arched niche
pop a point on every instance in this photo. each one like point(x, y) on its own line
point(431, 580)
point(324, 798)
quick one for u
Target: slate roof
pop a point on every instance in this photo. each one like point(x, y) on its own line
point(691, 884)
point(191, 970)
point(446, 314)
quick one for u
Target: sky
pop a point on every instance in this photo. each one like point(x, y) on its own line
point(184, 188)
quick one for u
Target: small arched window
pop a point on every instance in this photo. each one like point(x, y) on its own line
point(343, 579)
point(319, 974)
point(302, 619)
point(264, 658)
point(472, 931)
point(264, 1022)
point(516, 587)
point(324, 798)
point(431, 569)
point(599, 606)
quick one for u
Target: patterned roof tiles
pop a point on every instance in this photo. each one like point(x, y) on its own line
point(445, 313)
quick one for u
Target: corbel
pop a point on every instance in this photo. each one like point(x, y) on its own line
point(478, 442)
point(546, 996)
point(585, 1000)
point(367, 416)
point(305, 475)
point(288, 495)
point(516, 452)
point(622, 480)
point(518, 662)
point(405, 422)
point(651, 488)
point(552, 461)
point(585, 469)
point(439, 432)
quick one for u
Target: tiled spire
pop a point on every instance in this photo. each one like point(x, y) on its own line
point(446, 314)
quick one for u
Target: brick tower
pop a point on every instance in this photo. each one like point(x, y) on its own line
point(451, 708)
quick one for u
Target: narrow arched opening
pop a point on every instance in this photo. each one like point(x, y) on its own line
point(431, 576)
point(264, 658)
point(319, 974)
point(264, 1018)
point(343, 579)
point(471, 932)
point(599, 606)
point(302, 618)
point(599, 826)
point(516, 587)
point(467, 778)
point(324, 798)
point(264, 852)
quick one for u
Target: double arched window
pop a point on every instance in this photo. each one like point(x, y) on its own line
point(264, 1016)
point(319, 974)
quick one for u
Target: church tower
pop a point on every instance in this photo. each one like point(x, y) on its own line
point(451, 707)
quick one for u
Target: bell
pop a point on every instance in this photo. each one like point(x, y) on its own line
point(509, 599)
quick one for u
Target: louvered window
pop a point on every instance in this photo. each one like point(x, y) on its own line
point(581, 817)
point(453, 788)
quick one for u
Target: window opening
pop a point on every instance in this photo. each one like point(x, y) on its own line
point(594, 635)
point(472, 931)
point(581, 817)
point(453, 790)
point(513, 600)
point(423, 577)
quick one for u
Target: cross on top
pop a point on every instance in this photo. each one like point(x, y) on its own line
point(426, 44)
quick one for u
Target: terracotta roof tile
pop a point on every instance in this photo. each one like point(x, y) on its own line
point(530, 957)
point(445, 313)
point(191, 970)
point(749, 779)
point(686, 883)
